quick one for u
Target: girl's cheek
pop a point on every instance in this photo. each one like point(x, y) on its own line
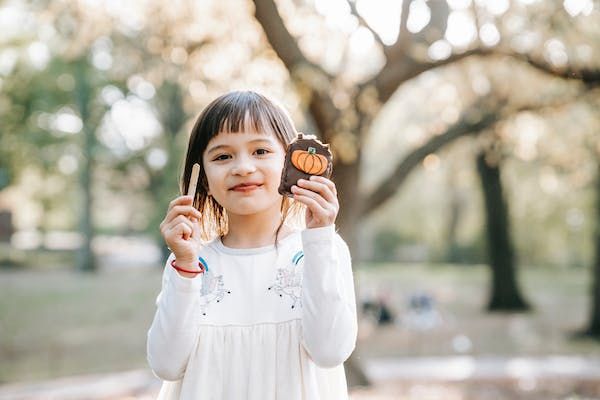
point(279, 162)
point(211, 176)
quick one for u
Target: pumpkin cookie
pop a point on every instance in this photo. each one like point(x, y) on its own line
point(305, 156)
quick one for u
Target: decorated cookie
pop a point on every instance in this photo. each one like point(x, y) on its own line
point(305, 156)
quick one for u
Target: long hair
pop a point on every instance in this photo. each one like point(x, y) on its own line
point(232, 113)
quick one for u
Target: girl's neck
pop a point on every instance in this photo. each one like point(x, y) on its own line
point(250, 231)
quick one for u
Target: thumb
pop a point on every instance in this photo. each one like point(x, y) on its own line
point(196, 227)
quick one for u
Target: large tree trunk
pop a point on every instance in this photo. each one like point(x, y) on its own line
point(593, 328)
point(505, 294)
point(165, 182)
point(346, 177)
point(456, 209)
point(85, 257)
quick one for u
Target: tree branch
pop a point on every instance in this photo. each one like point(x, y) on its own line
point(477, 20)
point(394, 74)
point(400, 47)
point(473, 122)
point(364, 23)
point(315, 78)
point(589, 76)
point(284, 44)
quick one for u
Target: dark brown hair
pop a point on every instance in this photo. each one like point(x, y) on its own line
point(231, 113)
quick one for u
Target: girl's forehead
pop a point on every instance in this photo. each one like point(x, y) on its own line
point(243, 136)
point(241, 139)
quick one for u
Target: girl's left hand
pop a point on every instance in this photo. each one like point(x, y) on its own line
point(320, 196)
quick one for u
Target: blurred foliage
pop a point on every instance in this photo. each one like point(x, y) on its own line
point(152, 66)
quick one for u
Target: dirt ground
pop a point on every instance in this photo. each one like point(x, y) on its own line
point(142, 385)
point(553, 389)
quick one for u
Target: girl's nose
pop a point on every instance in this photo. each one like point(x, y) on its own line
point(243, 166)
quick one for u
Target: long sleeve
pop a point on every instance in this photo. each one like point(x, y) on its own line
point(329, 322)
point(173, 332)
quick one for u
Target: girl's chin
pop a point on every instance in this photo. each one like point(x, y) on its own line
point(250, 207)
point(244, 213)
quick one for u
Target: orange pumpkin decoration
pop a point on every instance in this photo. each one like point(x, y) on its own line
point(309, 161)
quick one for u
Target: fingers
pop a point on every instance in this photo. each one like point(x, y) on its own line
point(318, 200)
point(320, 196)
point(183, 230)
point(176, 222)
point(181, 227)
point(188, 211)
point(196, 226)
point(181, 200)
point(323, 186)
point(317, 215)
point(181, 205)
point(326, 182)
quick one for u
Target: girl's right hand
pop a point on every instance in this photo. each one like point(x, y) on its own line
point(181, 231)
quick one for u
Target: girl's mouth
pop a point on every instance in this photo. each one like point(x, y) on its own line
point(245, 188)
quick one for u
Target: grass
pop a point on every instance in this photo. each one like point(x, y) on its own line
point(559, 298)
point(56, 322)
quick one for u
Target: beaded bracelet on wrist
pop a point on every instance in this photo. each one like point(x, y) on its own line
point(200, 265)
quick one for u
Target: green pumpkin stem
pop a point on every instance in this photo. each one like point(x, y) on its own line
point(312, 150)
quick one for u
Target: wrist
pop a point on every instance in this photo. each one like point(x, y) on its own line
point(188, 274)
point(189, 270)
point(187, 261)
point(320, 225)
point(318, 235)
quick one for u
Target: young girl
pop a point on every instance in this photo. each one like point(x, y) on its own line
point(251, 306)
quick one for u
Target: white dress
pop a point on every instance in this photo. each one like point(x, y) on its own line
point(260, 323)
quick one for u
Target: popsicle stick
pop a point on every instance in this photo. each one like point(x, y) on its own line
point(194, 180)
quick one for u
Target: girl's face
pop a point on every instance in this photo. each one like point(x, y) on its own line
point(243, 171)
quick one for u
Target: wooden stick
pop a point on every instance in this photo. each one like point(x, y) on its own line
point(193, 180)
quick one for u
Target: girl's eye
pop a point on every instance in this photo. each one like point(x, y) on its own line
point(265, 151)
point(219, 158)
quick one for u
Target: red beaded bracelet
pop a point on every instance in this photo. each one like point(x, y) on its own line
point(202, 269)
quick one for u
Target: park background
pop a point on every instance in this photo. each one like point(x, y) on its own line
point(467, 160)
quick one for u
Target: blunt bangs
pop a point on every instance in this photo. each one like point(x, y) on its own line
point(248, 112)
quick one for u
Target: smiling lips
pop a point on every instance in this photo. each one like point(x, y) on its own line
point(246, 187)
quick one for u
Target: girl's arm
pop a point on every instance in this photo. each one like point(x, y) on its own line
point(173, 332)
point(329, 321)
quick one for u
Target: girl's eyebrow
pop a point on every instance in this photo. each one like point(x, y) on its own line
point(224, 146)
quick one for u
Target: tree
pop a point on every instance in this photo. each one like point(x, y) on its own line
point(345, 123)
point(173, 117)
point(505, 294)
point(84, 92)
point(593, 327)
